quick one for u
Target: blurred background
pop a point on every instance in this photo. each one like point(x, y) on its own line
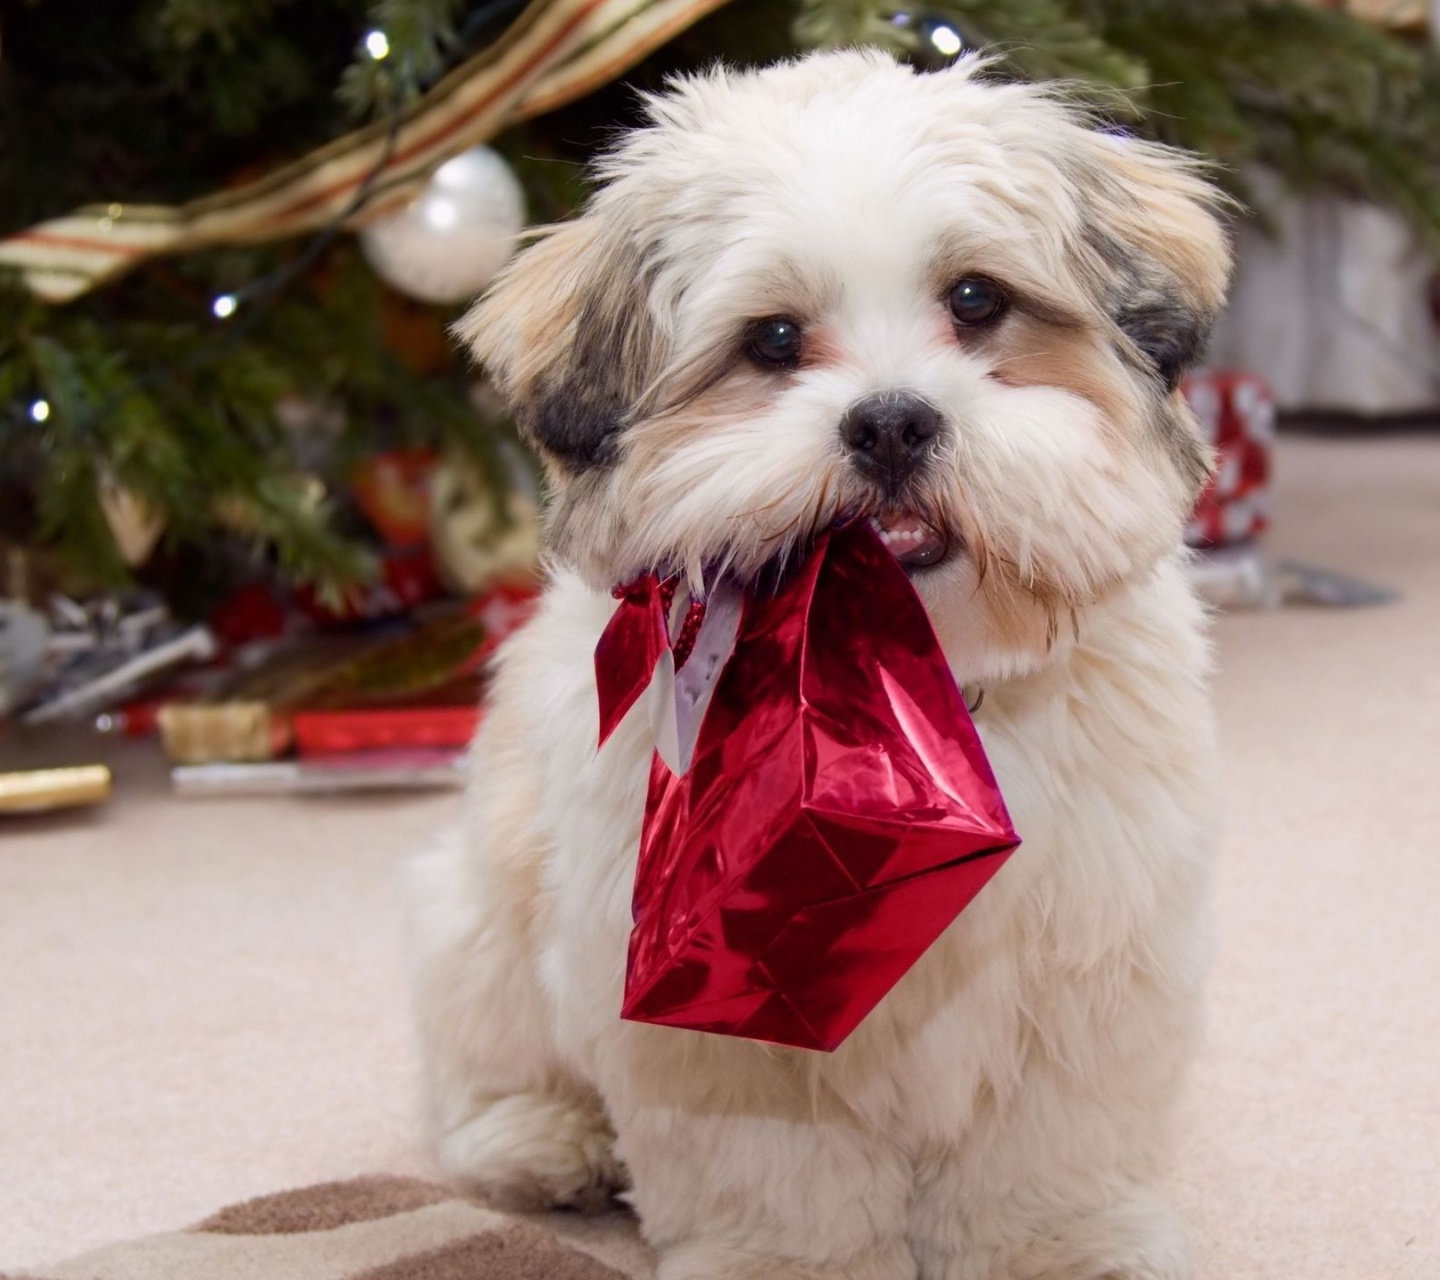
point(235, 232)
point(261, 524)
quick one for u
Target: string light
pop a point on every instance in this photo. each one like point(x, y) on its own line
point(259, 294)
point(946, 41)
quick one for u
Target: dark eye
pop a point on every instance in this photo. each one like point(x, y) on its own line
point(775, 341)
point(976, 301)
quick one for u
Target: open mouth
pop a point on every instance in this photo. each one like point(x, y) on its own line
point(911, 541)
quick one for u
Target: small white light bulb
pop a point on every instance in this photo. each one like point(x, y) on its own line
point(377, 45)
point(224, 306)
point(947, 41)
point(40, 411)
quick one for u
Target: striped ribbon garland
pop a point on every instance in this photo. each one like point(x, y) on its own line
point(555, 51)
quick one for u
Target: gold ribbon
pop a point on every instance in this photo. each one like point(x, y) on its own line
point(554, 52)
point(38, 790)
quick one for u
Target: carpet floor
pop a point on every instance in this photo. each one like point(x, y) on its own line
point(202, 1001)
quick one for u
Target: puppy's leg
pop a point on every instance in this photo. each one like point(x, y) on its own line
point(507, 1118)
point(1058, 1179)
point(1134, 1235)
point(747, 1168)
point(1091, 1231)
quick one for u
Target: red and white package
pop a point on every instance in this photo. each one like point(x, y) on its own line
point(1236, 411)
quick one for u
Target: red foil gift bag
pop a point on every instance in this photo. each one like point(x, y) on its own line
point(837, 814)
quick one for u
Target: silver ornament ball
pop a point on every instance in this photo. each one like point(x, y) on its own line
point(449, 242)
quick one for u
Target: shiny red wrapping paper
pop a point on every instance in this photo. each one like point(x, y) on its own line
point(837, 815)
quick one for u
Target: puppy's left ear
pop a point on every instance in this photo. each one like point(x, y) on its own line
point(1161, 252)
point(567, 335)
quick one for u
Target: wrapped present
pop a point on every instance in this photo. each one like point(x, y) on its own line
point(335, 682)
point(442, 718)
point(1237, 413)
point(834, 813)
point(419, 690)
point(407, 579)
point(393, 490)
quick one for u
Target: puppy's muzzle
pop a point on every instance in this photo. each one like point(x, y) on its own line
point(889, 436)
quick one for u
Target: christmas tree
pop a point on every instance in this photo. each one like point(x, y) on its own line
point(217, 373)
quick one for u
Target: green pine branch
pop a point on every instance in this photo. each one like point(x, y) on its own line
point(1032, 39)
point(186, 413)
point(420, 42)
point(164, 100)
point(1330, 101)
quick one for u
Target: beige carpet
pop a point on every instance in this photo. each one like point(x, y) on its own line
point(201, 1001)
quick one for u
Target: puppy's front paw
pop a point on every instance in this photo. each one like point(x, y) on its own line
point(1137, 1238)
point(534, 1151)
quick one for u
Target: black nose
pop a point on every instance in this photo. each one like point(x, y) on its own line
point(888, 435)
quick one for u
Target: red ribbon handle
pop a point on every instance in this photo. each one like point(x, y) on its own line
point(630, 646)
point(633, 641)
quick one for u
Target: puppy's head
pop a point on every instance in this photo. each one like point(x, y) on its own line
point(837, 287)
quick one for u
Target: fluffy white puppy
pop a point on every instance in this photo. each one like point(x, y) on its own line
point(837, 286)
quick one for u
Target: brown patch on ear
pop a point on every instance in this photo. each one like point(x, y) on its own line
point(568, 336)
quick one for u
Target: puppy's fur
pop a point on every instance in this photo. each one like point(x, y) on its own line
point(1004, 1112)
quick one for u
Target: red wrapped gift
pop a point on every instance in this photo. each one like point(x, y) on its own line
point(1236, 410)
point(837, 814)
point(393, 490)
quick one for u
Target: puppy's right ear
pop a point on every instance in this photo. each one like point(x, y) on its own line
point(567, 334)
